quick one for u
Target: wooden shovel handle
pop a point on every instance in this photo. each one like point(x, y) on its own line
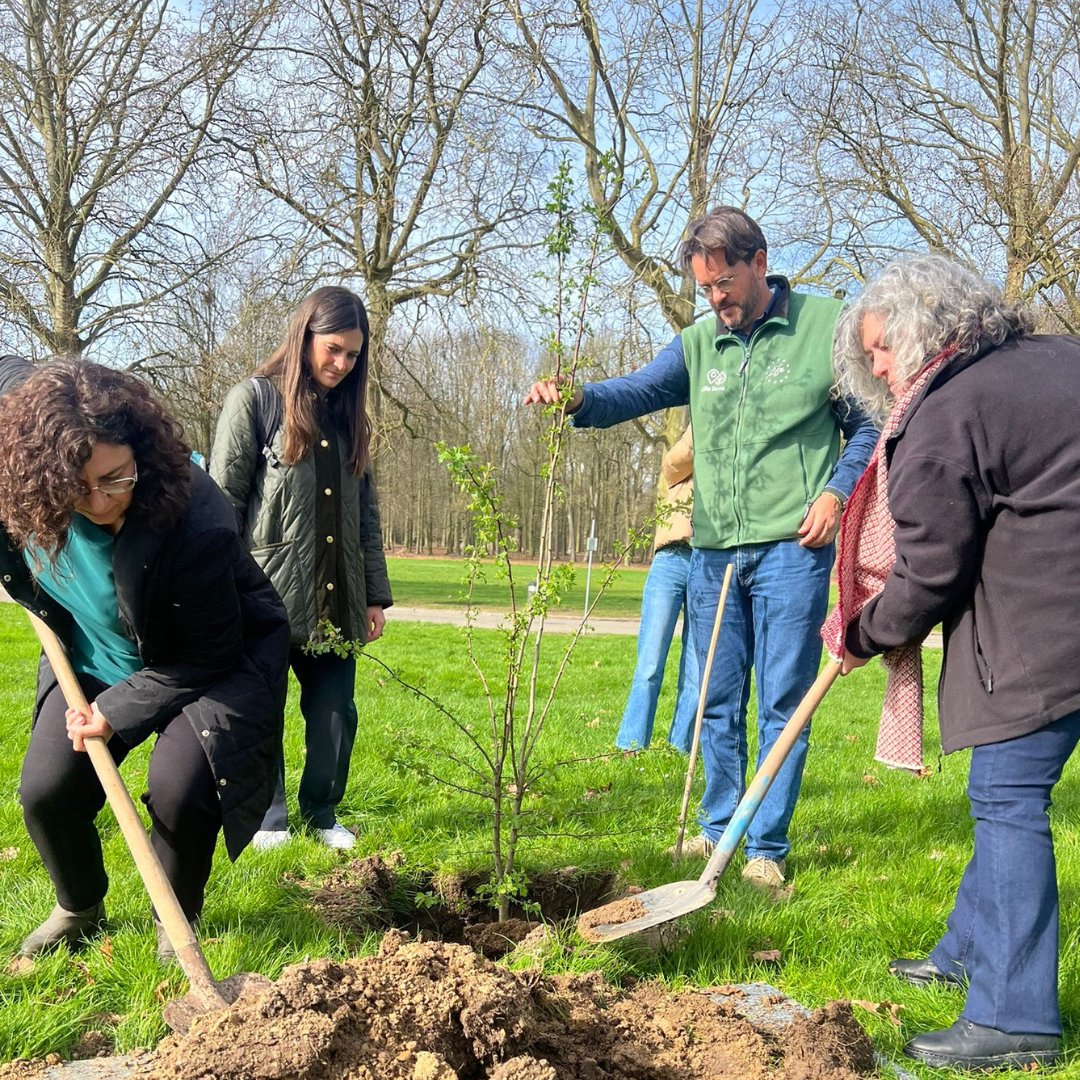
point(168, 909)
point(702, 697)
point(763, 778)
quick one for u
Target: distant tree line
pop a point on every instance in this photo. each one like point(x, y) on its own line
point(176, 176)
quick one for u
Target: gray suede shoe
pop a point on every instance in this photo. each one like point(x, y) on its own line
point(166, 954)
point(71, 928)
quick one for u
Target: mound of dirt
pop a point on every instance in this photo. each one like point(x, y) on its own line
point(437, 1011)
point(377, 893)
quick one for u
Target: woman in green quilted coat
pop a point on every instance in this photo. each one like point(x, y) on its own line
point(305, 496)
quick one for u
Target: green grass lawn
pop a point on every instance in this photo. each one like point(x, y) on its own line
point(877, 854)
point(438, 583)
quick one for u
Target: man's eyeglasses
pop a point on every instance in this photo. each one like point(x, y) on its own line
point(719, 285)
point(120, 486)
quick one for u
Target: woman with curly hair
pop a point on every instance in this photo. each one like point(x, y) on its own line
point(976, 528)
point(131, 554)
point(307, 503)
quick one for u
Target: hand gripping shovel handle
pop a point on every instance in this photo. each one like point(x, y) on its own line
point(751, 801)
point(168, 909)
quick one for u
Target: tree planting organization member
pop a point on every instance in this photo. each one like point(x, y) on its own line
point(771, 476)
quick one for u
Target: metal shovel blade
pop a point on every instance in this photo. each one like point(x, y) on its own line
point(682, 897)
point(662, 904)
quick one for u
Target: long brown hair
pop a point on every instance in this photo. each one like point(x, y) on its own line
point(49, 426)
point(329, 310)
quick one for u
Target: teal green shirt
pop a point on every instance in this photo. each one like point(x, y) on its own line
point(82, 581)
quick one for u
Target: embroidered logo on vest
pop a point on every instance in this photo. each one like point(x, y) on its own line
point(714, 381)
point(778, 371)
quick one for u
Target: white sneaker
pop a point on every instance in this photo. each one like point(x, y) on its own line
point(338, 837)
point(265, 839)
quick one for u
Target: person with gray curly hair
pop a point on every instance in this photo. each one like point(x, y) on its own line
point(982, 465)
point(928, 302)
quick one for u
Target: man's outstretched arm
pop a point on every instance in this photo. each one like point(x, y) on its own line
point(663, 383)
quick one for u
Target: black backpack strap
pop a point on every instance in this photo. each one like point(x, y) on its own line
point(268, 410)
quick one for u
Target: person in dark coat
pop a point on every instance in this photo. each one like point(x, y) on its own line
point(984, 492)
point(311, 521)
point(132, 555)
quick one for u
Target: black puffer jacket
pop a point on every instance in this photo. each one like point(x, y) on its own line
point(213, 637)
point(279, 506)
point(984, 486)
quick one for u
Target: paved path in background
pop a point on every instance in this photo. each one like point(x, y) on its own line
point(556, 624)
point(564, 624)
point(488, 620)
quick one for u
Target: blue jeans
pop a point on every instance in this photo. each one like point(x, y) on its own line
point(664, 597)
point(775, 608)
point(1003, 930)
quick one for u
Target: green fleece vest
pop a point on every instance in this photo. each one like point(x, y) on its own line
point(766, 438)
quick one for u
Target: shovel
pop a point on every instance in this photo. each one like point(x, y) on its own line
point(206, 994)
point(689, 785)
point(682, 897)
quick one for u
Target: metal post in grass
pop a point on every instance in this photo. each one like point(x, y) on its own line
point(590, 547)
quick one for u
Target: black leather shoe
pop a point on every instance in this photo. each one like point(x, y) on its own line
point(923, 973)
point(980, 1049)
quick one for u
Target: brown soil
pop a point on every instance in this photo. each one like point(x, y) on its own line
point(423, 1010)
point(495, 939)
point(28, 1070)
point(437, 1011)
point(614, 914)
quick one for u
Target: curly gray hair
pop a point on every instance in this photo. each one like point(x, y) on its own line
point(926, 303)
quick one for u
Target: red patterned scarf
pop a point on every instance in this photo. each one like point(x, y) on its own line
point(866, 554)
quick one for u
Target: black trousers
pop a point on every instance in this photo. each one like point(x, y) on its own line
point(61, 796)
point(327, 685)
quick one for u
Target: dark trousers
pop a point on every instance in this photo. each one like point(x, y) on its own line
point(327, 685)
point(1003, 930)
point(61, 796)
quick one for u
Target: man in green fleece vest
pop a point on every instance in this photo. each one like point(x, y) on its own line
point(776, 454)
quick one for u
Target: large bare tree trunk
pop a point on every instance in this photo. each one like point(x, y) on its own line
point(108, 114)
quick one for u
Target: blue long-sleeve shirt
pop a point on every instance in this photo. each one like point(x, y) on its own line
point(664, 383)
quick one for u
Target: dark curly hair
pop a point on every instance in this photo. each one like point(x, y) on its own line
point(49, 426)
